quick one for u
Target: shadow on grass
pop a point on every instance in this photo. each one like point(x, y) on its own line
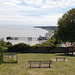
point(69, 55)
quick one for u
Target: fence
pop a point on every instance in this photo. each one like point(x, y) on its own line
point(39, 50)
point(46, 50)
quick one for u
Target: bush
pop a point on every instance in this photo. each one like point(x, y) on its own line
point(9, 44)
point(18, 48)
point(1, 55)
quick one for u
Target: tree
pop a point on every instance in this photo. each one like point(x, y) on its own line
point(1, 55)
point(66, 27)
point(9, 44)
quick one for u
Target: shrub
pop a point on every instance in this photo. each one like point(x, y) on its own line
point(1, 55)
point(18, 48)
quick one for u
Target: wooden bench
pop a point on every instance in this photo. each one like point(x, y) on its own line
point(63, 58)
point(40, 64)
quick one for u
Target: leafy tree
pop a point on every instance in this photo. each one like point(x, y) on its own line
point(3, 44)
point(66, 27)
point(1, 55)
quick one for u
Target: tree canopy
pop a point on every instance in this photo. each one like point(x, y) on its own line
point(66, 27)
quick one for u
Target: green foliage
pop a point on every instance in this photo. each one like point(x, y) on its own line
point(1, 55)
point(1, 49)
point(52, 42)
point(9, 44)
point(10, 61)
point(37, 45)
point(20, 47)
point(66, 27)
point(4, 44)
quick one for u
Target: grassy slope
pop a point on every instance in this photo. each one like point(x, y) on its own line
point(58, 68)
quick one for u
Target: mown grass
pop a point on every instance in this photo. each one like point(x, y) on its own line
point(21, 68)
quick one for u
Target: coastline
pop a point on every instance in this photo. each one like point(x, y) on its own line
point(21, 31)
point(16, 31)
point(50, 30)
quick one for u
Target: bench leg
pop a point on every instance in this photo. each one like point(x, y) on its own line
point(39, 64)
point(56, 59)
point(49, 65)
point(30, 64)
point(64, 59)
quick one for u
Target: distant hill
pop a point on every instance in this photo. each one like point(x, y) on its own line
point(46, 27)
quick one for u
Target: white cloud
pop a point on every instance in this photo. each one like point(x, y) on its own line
point(35, 2)
point(14, 12)
point(9, 4)
point(50, 19)
point(61, 3)
point(51, 3)
point(16, 1)
point(38, 2)
point(47, 6)
point(29, 1)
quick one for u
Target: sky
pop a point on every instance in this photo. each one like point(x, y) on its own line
point(33, 12)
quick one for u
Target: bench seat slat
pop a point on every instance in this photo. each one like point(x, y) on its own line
point(63, 58)
point(40, 63)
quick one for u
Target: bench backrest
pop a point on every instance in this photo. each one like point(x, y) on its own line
point(42, 62)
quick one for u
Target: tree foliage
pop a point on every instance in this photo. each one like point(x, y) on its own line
point(66, 27)
point(19, 48)
point(4, 44)
point(1, 55)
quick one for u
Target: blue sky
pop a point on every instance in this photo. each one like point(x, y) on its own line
point(33, 12)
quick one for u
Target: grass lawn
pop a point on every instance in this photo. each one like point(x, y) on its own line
point(58, 67)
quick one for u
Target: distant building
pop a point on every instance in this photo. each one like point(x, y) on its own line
point(50, 33)
point(11, 38)
point(42, 38)
point(67, 44)
point(30, 38)
point(62, 45)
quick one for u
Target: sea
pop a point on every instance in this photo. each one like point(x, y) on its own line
point(22, 31)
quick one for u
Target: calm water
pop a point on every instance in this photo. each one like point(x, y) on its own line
point(21, 31)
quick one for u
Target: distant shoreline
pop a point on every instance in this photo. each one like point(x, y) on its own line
point(48, 28)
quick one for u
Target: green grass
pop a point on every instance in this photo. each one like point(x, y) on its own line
point(58, 68)
point(9, 59)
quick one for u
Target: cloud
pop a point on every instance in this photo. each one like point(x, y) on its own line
point(60, 3)
point(33, 2)
point(51, 3)
point(32, 12)
point(41, 3)
point(11, 3)
point(50, 19)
